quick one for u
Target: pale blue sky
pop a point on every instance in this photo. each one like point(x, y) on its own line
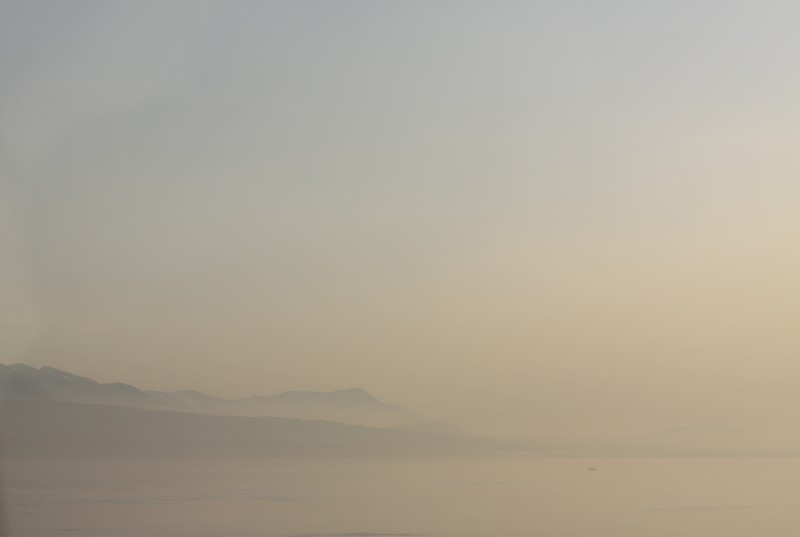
point(550, 204)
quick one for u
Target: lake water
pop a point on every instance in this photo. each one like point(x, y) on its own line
point(548, 497)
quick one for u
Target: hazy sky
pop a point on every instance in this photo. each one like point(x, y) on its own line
point(522, 216)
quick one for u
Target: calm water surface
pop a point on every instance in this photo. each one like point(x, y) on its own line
point(546, 497)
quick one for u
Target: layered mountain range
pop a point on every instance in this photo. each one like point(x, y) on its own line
point(53, 413)
point(49, 412)
point(353, 406)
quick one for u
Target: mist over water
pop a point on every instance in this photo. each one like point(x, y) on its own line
point(514, 497)
point(308, 269)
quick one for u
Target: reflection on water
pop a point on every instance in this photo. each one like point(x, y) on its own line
point(347, 498)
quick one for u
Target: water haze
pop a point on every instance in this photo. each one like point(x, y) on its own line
point(459, 497)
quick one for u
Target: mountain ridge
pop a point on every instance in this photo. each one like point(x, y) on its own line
point(63, 429)
point(354, 406)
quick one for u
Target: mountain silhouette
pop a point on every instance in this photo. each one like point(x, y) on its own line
point(353, 406)
point(63, 429)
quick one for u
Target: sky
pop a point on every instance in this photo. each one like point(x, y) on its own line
point(524, 217)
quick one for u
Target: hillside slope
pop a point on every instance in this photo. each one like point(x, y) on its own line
point(353, 405)
point(36, 428)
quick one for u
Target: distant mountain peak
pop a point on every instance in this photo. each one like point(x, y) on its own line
point(352, 405)
point(354, 391)
point(66, 375)
point(347, 396)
